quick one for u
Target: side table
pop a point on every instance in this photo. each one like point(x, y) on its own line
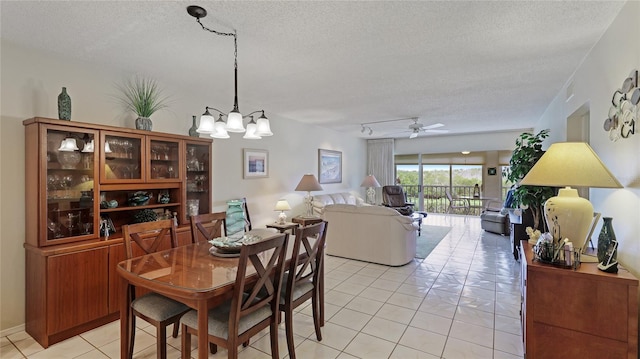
point(284, 227)
point(306, 221)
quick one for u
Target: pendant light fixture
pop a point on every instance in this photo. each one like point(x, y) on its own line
point(234, 117)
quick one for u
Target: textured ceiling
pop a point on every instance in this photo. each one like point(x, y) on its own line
point(474, 66)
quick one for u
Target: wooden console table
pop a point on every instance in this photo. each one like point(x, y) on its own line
point(584, 313)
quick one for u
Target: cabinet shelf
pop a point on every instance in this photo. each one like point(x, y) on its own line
point(134, 208)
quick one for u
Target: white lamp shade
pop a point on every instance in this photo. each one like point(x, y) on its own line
point(282, 205)
point(308, 183)
point(251, 132)
point(89, 146)
point(234, 122)
point(68, 145)
point(206, 125)
point(370, 181)
point(264, 128)
point(221, 134)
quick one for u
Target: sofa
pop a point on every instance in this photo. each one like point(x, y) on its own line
point(364, 232)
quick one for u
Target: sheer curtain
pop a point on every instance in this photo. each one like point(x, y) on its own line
point(380, 161)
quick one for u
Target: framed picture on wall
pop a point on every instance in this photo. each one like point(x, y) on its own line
point(329, 166)
point(256, 163)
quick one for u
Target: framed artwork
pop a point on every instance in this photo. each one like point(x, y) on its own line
point(329, 166)
point(491, 171)
point(256, 163)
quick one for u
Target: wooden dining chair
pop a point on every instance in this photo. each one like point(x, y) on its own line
point(154, 308)
point(302, 279)
point(205, 227)
point(254, 305)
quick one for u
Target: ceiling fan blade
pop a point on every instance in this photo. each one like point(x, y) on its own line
point(435, 125)
point(413, 135)
point(436, 131)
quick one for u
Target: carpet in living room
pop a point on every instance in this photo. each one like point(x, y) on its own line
point(429, 239)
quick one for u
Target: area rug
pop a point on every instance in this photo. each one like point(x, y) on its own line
point(429, 239)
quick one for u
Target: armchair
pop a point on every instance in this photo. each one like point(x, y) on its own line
point(395, 197)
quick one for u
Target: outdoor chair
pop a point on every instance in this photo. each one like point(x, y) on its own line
point(457, 203)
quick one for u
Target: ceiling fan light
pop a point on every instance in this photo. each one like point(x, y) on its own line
point(414, 134)
point(89, 147)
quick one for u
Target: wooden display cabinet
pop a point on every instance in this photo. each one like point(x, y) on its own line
point(583, 313)
point(71, 169)
point(197, 168)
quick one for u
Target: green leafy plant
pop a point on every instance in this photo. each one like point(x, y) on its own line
point(527, 152)
point(143, 96)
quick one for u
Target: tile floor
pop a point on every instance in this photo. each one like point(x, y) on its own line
point(460, 302)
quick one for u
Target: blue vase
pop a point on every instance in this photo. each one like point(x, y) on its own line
point(235, 219)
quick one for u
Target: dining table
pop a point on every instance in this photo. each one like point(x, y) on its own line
point(189, 274)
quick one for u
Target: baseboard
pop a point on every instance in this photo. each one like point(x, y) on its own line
point(16, 329)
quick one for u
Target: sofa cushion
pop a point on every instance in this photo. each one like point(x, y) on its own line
point(322, 200)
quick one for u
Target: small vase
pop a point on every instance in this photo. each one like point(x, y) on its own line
point(194, 127)
point(144, 123)
point(606, 241)
point(64, 105)
point(235, 219)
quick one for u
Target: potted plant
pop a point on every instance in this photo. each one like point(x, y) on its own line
point(144, 97)
point(527, 152)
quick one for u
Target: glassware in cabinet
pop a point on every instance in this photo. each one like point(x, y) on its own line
point(123, 157)
point(69, 184)
point(164, 160)
point(198, 182)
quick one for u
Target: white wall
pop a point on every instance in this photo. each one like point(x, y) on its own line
point(31, 82)
point(601, 73)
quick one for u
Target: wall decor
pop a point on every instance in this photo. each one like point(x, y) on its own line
point(329, 166)
point(624, 110)
point(256, 163)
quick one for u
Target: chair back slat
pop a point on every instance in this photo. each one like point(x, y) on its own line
point(309, 247)
point(205, 227)
point(149, 236)
point(267, 258)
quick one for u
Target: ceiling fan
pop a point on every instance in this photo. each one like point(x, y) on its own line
point(416, 128)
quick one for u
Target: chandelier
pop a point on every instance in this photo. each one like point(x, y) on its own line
point(219, 128)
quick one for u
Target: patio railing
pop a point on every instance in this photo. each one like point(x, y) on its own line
point(435, 199)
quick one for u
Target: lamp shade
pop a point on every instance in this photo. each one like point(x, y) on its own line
point(570, 164)
point(234, 122)
point(282, 205)
point(264, 128)
point(370, 181)
point(308, 183)
point(251, 131)
point(206, 125)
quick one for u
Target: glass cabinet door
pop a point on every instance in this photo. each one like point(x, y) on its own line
point(164, 160)
point(70, 184)
point(123, 157)
point(198, 183)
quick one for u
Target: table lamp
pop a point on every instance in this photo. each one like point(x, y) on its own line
point(371, 183)
point(282, 205)
point(309, 183)
point(570, 164)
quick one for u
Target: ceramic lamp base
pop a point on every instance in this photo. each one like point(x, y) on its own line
point(282, 218)
point(568, 216)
